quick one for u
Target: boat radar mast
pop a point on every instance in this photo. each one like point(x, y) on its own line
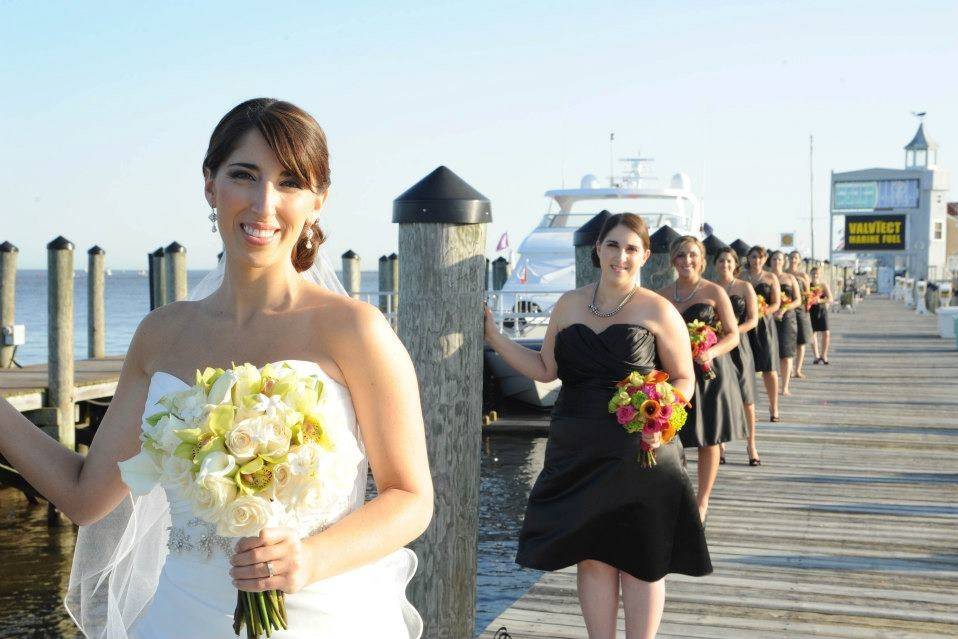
point(637, 173)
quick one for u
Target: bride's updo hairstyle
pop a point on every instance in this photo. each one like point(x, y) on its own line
point(681, 242)
point(298, 142)
point(631, 221)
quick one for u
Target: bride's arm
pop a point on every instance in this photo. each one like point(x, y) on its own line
point(83, 488)
point(385, 395)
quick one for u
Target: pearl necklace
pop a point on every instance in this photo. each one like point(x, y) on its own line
point(675, 292)
point(625, 300)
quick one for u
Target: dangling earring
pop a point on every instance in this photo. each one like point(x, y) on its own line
point(309, 238)
point(212, 218)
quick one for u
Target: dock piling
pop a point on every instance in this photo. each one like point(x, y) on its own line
point(96, 323)
point(501, 270)
point(175, 255)
point(441, 240)
point(8, 282)
point(351, 273)
point(657, 271)
point(157, 262)
point(60, 337)
point(584, 240)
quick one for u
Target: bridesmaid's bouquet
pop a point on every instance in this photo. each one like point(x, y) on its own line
point(762, 306)
point(813, 296)
point(648, 403)
point(786, 300)
point(248, 448)
point(703, 337)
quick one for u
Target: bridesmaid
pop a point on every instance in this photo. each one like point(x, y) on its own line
point(624, 527)
point(745, 305)
point(796, 268)
point(785, 322)
point(764, 337)
point(717, 414)
point(819, 317)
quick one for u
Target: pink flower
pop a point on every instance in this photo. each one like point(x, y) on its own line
point(625, 414)
point(632, 390)
point(665, 412)
point(650, 392)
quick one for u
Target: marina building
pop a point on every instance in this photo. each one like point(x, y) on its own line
point(895, 218)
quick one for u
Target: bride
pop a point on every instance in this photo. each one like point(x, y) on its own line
point(145, 567)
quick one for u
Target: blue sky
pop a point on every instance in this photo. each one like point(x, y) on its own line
point(108, 107)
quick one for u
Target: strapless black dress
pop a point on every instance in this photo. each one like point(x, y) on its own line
point(802, 319)
point(764, 337)
point(787, 330)
point(593, 500)
point(819, 316)
point(717, 414)
point(742, 354)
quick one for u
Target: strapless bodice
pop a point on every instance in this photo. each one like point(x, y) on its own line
point(590, 363)
point(702, 312)
point(765, 290)
point(738, 306)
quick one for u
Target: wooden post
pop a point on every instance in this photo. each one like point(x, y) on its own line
point(384, 284)
point(712, 246)
point(351, 274)
point(501, 269)
point(157, 278)
point(658, 271)
point(60, 336)
point(584, 240)
point(8, 287)
point(96, 318)
point(441, 238)
point(176, 283)
point(393, 266)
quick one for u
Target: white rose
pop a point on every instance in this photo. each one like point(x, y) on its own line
point(141, 472)
point(190, 404)
point(245, 516)
point(278, 436)
point(210, 496)
point(304, 460)
point(176, 471)
point(288, 487)
point(216, 464)
point(243, 442)
point(163, 433)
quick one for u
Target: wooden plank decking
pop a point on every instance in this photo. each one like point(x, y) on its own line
point(26, 388)
point(850, 529)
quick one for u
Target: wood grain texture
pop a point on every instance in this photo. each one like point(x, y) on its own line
point(96, 310)
point(60, 340)
point(8, 281)
point(440, 323)
point(847, 529)
point(657, 271)
point(585, 272)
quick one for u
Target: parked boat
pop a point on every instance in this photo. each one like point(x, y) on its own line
point(545, 265)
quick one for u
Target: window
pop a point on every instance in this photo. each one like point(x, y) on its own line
point(938, 233)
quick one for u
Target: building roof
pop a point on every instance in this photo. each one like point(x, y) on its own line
point(920, 142)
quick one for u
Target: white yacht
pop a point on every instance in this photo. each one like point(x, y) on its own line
point(545, 265)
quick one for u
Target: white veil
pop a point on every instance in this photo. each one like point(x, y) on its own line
point(117, 560)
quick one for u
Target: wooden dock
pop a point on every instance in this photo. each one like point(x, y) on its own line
point(26, 388)
point(849, 529)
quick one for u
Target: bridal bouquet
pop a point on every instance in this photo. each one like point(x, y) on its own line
point(248, 448)
point(648, 403)
point(703, 337)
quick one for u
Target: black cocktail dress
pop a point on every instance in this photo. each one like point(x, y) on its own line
point(742, 354)
point(717, 414)
point(819, 316)
point(802, 320)
point(593, 500)
point(787, 328)
point(764, 337)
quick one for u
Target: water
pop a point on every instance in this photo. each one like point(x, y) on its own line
point(126, 299)
point(37, 557)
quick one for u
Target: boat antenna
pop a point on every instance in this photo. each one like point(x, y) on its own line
point(611, 166)
point(811, 196)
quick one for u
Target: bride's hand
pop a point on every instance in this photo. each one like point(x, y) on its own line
point(283, 549)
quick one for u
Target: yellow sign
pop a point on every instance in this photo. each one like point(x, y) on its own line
point(788, 240)
point(875, 233)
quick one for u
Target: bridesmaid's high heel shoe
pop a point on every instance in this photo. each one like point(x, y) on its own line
point(774, 418)
point(754, 461)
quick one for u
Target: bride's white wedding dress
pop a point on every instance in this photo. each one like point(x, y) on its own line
point(194, 596)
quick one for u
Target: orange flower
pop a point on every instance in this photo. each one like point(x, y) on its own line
point(668, 434)
point(649, 408)
point(679, 397)
point(656, 376)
